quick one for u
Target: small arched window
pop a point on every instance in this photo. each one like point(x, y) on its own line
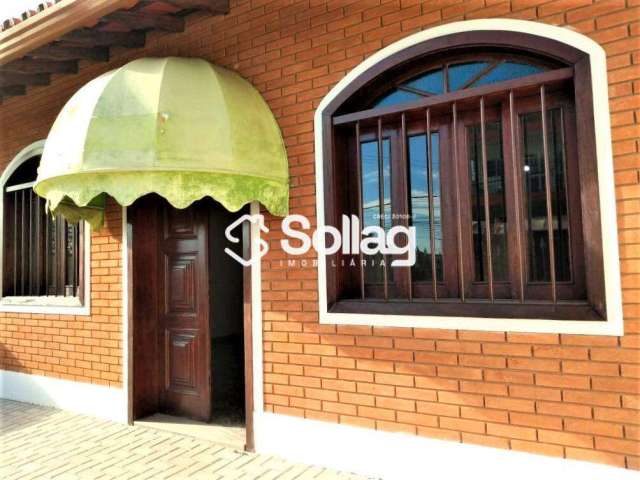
point(484, 142)
point(41, 254)
point(458, 75)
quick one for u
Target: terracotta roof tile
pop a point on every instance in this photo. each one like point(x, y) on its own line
point(10, 22)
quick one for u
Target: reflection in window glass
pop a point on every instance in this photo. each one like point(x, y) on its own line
point(497, 205)
point(432, 82)
point(507, 71)
point(419, 176)
point(535, 197)
point(375, 212)
point(461, 73)
point(397, 96)
point(458, 76)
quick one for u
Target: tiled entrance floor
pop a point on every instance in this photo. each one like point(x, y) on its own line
point(228, 436)
point(45, 443)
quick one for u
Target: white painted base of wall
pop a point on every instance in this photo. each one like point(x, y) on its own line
point(85, 398)
point(405, 457)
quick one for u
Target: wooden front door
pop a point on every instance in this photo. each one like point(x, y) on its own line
point(171, 307)
point(184, 312)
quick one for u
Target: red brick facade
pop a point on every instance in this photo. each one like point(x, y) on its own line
point(75, 347)
point(563, 395)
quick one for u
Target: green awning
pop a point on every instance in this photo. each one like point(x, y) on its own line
point(179, 127)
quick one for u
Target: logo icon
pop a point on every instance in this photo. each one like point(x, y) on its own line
point(263, 246)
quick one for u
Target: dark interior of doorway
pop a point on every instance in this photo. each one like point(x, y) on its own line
point(227, 327)
point(226, 320)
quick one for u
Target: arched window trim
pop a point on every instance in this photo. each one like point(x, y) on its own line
point(44, 305)
point(589, 63)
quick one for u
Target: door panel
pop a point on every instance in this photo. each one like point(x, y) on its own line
point(184, 313)
point(182, 352)
point(147, 368)
point(180, 287)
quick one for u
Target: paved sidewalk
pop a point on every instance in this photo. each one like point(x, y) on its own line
point(41, 442)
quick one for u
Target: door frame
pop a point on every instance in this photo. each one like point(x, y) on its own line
point(252, 322)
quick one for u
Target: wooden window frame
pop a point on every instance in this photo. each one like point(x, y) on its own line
point(397, 285)
point(46, 270)
point(331, 112)
point(70, 305)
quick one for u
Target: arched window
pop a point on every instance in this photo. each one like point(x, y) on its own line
point(42, 255)
point(460, 73)
point(485, 143)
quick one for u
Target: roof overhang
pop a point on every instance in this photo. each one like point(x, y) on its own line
point(52, 23)
point(55, 39)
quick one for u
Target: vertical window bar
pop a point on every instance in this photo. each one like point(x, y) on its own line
point(360, 200)
point(69, 261)
point(547, 194)
point(23, 241)
point(454, 113)
point(53, 254)
point(382, 205)
point(403, 136)
point(485, 187)
point(27, 229)
point(38, 247)
point(445, 76)
point(76, 258)
point(45, 258)
point(60, 255)
point(31, 244)
point(516, 196)
point(561, 186)
point(63, 256)
point(432, 234)
point(15, 243)
point(56, 257)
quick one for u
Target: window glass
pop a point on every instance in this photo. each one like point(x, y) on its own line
point(432, 82)
point(26, 172)
point(507, 71)
point(419, 179)
point(462, 73)
point(536, 206)
point(497, 204)
point(397, 96)
point(375, 211)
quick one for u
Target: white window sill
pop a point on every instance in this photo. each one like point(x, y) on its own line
point(612, 327)
point(47, 305)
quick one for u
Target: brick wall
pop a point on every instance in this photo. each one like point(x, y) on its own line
point(562, 395)
point(75, 347)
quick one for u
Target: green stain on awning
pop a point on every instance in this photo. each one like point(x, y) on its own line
point(179, 127)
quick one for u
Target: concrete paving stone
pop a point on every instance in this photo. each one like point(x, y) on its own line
point(44, 443)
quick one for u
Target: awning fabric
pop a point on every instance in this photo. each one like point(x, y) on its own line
point(179, 127)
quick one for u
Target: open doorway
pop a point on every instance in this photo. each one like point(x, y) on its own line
point(226, 321)
point(187, 340)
